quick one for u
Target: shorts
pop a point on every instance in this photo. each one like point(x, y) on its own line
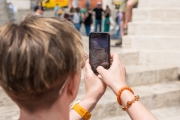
point(123, 5)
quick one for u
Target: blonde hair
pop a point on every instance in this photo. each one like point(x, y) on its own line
point(36, 57)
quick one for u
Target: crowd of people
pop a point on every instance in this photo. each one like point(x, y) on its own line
point(79, 16)
point(85, 16)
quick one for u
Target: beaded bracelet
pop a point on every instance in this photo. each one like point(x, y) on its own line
point(129, 103)
point(120, 91)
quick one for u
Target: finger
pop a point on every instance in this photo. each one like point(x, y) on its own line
point(116, 60)
point(111, 56)
point(116, 57)
point(101, 70)
point(102, 81)
point(87, 68)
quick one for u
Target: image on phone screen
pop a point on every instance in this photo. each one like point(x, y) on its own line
point(99, 51)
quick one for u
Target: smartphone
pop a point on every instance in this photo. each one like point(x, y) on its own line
point(99, 50)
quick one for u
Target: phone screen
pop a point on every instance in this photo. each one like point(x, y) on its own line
point(99, 44)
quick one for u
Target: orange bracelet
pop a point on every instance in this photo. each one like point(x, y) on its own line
point(120, 91)
point(129, 103)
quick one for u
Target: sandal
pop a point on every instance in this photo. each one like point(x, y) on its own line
point(125, 31)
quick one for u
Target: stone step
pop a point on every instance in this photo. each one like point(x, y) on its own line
point(158, 4)
point(153, 96)
point(158, 58)
point(128, 56)
point(152, 43)
point(142, 75)
point(154, 29)
point(165, 113)
point(156, 15)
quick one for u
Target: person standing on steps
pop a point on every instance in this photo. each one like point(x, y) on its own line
point(38, 6)
point(45, 78)
point(126, 9)
point(58, 11)
point(98, 16)
point(107, 14)
point(88, 20)
point(77, 18)
point(118, 21)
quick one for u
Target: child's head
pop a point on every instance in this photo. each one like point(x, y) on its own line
point(36, 58)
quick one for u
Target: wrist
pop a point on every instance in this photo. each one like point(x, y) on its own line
point(88, 103)
point(116, 87)
point(126, 96)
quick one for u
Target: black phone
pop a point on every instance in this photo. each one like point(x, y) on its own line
point(99, 50)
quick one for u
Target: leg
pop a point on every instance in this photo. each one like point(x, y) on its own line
point(86, 27)
point(105, 25)
point(96, 24)
point(76, 26)
point(122, 24)
point(89, 29)
point(118, 31)
point(123, 10)
point(129, 7)
point(100, 25)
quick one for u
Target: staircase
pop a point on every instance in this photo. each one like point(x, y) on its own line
point(153, 45)
point(155, 32)
point(150, 53)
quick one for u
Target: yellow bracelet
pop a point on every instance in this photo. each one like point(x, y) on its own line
point(81, 111)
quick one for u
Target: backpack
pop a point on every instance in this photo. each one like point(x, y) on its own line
point(60, 12)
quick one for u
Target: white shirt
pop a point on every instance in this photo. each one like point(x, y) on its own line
point(76, 17)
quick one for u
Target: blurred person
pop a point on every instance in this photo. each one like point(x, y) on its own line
point(57, 11)
point(126, 9)
point(88, 20)
point(83, 13)
point(118, 21)
point(11, 7)
point(107, 14)
point(69, 15)
point(40, 70)
point(39, 12)
point(38, 6)
point(98, 16)
point(77, 18)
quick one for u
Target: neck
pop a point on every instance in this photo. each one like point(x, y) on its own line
point(56, 112)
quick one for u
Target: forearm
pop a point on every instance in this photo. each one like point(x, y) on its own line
point(137, 111)
point(87, 104)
